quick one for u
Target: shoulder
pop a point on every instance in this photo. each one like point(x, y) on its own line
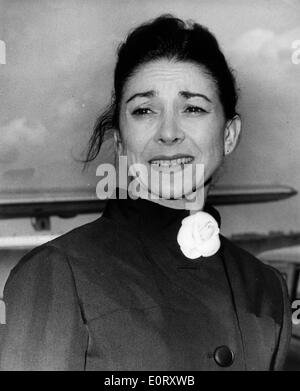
point(83, 241)
point(90, 244)
point(247, 264)
point(52, 257)
point(39, 270)
point(263, 284)
point(87, 238)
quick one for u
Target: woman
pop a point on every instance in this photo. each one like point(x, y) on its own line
point(137, 289)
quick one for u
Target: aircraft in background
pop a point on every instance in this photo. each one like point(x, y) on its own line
point(41, 205)
point(73, 202)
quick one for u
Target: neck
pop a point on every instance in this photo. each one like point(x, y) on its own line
point(193, 202)
point(197, 203)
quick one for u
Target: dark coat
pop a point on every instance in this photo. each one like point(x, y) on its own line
point(115, 294)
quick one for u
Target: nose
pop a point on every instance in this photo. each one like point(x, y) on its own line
point(169, 132)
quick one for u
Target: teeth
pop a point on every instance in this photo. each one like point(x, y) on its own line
point(171, 162)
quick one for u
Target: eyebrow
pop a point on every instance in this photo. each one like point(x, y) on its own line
point(146, 94)
point(184, 94)
point(189, 94)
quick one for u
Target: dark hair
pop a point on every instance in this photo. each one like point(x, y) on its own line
point(171, 38)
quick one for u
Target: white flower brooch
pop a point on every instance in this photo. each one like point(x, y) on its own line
point(199, 235)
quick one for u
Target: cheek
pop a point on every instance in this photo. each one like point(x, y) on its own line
point(209, 138)
point(215, 143)
point(136, 142)
point(135, 137)
point(212, 154)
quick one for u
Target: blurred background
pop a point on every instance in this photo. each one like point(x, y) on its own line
point(57, 78)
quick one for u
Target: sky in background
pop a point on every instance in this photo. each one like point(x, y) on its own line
point(58, 76)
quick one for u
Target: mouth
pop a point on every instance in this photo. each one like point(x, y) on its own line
point(170, 161)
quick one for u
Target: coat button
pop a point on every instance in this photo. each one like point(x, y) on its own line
point(223, 356)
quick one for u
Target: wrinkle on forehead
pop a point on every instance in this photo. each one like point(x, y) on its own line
point(170, 75)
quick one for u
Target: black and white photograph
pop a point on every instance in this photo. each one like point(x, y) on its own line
point(149, 188)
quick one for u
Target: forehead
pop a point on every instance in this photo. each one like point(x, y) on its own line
point(167, 76)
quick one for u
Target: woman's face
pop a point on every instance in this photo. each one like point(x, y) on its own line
point(171, 117)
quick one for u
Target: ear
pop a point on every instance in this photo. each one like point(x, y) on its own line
point(232, 134)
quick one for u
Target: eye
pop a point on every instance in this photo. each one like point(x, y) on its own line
point(142, 111)
point(194, 109)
